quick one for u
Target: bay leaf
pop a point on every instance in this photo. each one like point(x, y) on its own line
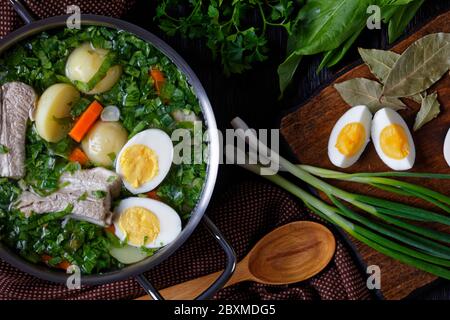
point(367, 92)
point(380, 62)
point(429, 110)
point(420, 66)
point(418, 97)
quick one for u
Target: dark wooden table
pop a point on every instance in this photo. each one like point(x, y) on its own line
point(254, 95)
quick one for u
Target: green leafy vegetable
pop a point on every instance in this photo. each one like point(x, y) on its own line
point(401, 17)
point(429, 110)
point(332, 57)
point(287, 69)
point(79, 107)
point(325, 25)
point(331, 27)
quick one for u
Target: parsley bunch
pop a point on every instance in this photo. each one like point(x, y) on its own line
point(226, 25)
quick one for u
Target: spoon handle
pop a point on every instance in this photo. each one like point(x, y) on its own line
point(191, 289)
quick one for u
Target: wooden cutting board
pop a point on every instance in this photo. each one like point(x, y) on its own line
point(307, 131)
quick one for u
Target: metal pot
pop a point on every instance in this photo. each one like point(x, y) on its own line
point(136, 270)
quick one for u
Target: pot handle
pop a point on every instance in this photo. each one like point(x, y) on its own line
point(22, 11)
point(219, 283)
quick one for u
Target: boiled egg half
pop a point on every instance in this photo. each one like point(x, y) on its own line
point(146, 222)
point(350, 136)
point(393, 140)
point(145, 160)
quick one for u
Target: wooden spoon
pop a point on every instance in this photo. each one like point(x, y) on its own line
point(288, 254)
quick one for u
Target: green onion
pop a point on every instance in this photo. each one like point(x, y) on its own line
point(386, 225)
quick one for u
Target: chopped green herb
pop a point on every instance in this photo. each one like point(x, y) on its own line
point(99, 194)
point(83, 197)
point(111, 179)
point(112, 156)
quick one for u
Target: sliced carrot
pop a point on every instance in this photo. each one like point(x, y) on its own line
point(79, 156)
point(45, 258)
point(63, 265)
point(86, 121)
point(158, 79)
point(111, 229)
point(153, 195)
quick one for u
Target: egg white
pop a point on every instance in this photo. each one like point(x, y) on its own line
point(162, 145)
point(169, 220)
point(386, 117)
point(359, 114)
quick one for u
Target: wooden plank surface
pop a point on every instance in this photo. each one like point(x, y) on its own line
point(307, 131)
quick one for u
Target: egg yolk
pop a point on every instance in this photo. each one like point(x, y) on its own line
point(139, 164)
point(351, 139)
point(394, 142)
point(139, 225)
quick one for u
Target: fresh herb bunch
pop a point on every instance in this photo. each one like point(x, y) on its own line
point(226, 26)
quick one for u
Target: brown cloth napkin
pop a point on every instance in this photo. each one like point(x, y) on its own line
point(244, 214)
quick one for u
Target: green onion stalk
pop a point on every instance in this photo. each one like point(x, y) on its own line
point(384, 225)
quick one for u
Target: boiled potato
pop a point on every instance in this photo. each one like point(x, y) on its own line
point(53, 111)
point(84, 62)
point(103, 142)
point(111, 78)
